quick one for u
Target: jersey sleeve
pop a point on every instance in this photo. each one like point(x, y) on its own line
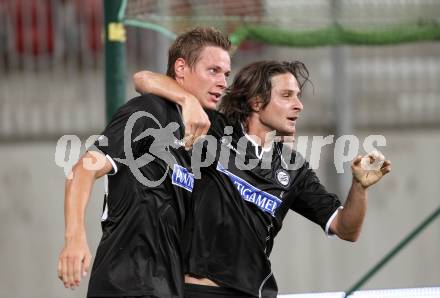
point(313, 201)
point(129, 122)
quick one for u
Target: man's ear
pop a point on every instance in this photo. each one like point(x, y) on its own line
point(179, 68)
point(256, 104)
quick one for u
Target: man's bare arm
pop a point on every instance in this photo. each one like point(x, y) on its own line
point(74, 260)
point(194, 117)
point(348, 222)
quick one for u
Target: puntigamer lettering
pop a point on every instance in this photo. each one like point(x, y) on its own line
point(265, 201)
point(182, 178)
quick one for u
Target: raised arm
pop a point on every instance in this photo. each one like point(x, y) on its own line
point(74, 260)
point(194, 117)
point(367, 170)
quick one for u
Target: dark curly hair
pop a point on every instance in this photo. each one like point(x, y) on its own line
point(255, 80)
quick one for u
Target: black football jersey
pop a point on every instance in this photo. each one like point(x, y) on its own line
point(144, 213)
point(238, 207)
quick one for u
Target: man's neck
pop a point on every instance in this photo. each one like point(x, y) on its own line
point(259, 133)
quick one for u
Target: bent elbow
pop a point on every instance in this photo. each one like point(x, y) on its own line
point(353, 237)
point(140, 80)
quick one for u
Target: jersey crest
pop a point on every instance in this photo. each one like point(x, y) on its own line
point(283, 177)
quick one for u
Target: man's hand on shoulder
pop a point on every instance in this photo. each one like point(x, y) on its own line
point(195, 119)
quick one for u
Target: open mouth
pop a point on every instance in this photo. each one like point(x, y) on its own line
point(216, 95)
point(293, 119)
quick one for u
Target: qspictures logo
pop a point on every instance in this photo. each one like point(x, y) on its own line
point(162, 140)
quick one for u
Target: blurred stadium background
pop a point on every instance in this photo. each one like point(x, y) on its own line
point(52, 84)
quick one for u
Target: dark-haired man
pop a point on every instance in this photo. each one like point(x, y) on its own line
point(240, 201)
point(140, 250)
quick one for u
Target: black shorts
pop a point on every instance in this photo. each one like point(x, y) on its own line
point(199, 291)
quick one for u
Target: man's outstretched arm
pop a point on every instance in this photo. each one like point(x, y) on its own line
point(74, 260)
point(367, 171)
point(194, 117)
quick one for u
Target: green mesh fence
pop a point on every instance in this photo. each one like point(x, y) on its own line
point(337, 35)
point(294, 23)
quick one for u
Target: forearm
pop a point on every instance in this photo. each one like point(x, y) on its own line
point(77, 193)
point(349, 220)
point(367, 170)
point(78, 189)
point(195, 119)
point(161, 85)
